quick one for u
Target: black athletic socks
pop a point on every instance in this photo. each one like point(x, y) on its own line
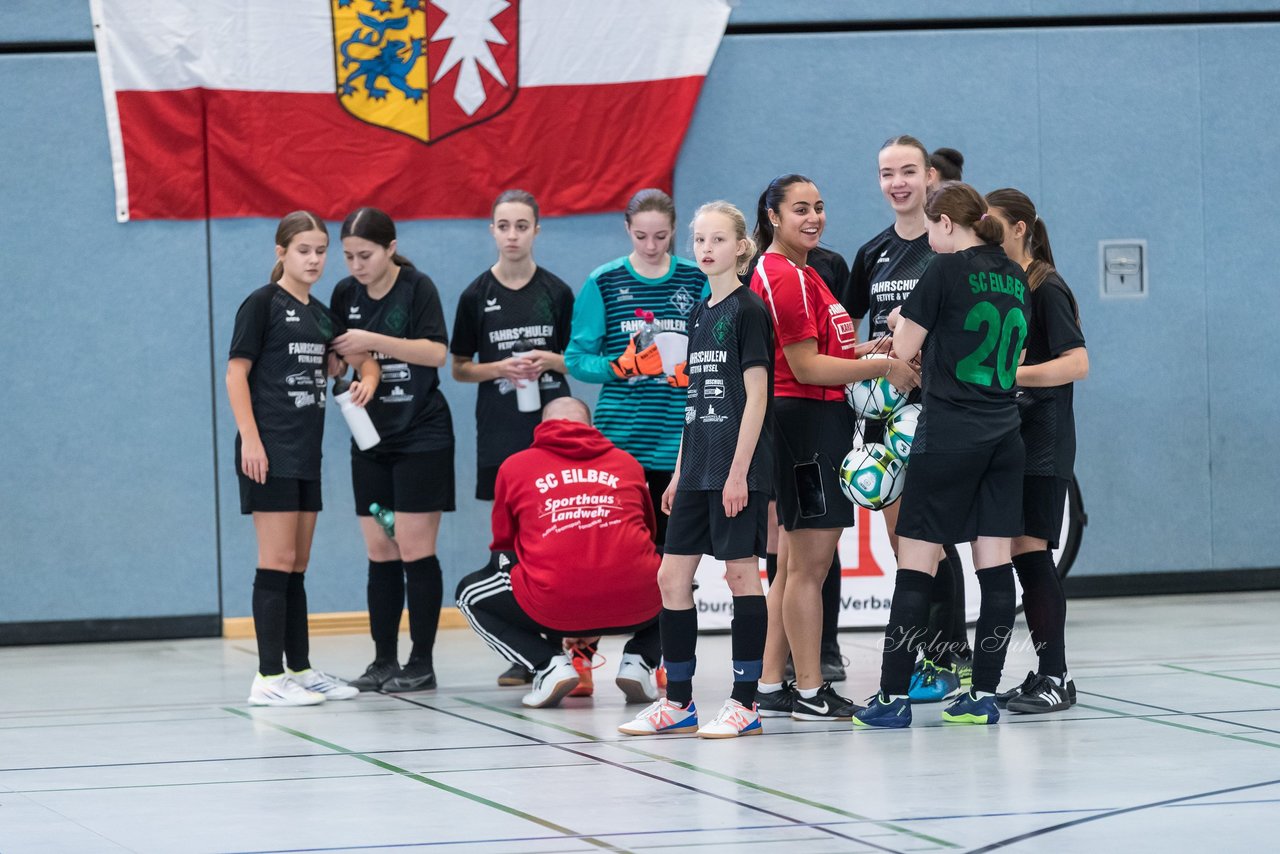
point(424, 585)
point(831, 603)
point(750, 621)
point(908, 621)
point(1045, 607)
point(297, 641)
point(270, 604)
point(942, 596)
point(995, 625)
point(386, 604)
point(679, 640)
point(959, 622)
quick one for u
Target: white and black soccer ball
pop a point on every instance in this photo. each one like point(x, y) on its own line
point(871, 477)
point(874, 399)
point(900, 432)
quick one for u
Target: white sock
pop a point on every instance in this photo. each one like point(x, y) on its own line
point(769, 687)
point(808, 693)
point(981, 694)
point(893, 697)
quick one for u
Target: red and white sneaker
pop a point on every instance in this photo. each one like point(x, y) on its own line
point(660, 718)
point(734, 720)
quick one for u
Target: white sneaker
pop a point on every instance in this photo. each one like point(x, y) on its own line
point(661, 718)
point(552, 683)
point(319, 682)
point(281, 691)
point(734, 720)
point(636, 679)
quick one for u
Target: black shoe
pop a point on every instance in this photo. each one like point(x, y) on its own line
point(1044, 695)
point(826, 705)
point(1071, 689)
point(832, 664)
point(1003, 697)
point(776, 704)
point(414, 676)
point(516, 674)
point(376, 674)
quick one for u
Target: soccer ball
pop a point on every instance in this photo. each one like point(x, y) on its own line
point(871, 477)
point(874, 399)
point(901, 430)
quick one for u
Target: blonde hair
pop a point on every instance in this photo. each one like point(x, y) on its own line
point(739, 221)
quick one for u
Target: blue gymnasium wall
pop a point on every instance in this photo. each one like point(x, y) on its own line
point(108, 504)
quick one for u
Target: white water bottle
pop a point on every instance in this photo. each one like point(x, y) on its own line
point(528, 393)
point(358, 420)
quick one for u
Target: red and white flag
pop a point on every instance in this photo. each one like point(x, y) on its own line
point(426, 108)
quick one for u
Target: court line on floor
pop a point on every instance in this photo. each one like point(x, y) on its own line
point(422, 778)
point(1219, 675)
point(1033, 834)
point(690, 767)
point(1161, 719)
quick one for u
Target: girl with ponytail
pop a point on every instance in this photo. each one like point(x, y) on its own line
point(280, 354)
point(973, 305)
point(393, 311)
point(1056, 358)
point(815, 355)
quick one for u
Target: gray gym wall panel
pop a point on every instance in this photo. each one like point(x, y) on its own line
point(106, 478)
point(1241, 183)
point(42, 21)
point(821, 11)
point(452, 253)
point(1121, 158)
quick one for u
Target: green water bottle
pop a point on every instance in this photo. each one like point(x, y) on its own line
point(386, 518)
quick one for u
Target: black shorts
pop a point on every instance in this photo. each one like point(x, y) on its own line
point(956, 497)
point(1044, 500)
point(486, 480)
point(418, 482)
point(698, 526)
point(279, 495)
point(802, 429)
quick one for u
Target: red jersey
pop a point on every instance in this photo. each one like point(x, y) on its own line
point(576, 511)
point(802, 307)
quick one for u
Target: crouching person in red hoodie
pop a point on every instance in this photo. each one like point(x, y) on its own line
point(576, 512)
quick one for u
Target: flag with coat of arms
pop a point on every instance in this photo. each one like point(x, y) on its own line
point(426, 108)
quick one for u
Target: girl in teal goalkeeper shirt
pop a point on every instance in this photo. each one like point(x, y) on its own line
point(640, 409)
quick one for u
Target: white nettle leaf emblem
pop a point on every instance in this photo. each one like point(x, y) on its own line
point(469, 23)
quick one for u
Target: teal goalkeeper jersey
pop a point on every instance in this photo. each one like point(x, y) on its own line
point(644, 415)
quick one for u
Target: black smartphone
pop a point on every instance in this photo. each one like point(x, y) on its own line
point(809, 492)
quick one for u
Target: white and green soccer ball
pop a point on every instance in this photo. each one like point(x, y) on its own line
point(900, 432)
point(871, 477)
point(874, 399)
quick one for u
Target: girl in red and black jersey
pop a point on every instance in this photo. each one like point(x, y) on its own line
point(816, 355)
point(276, 383)
point(1056, 358)
point(393, 311)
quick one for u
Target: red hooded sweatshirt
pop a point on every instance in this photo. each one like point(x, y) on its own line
point(577, 513)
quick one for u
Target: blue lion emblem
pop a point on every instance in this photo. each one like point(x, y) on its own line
point(394, 60)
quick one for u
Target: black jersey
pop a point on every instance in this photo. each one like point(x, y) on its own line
point(976, 307)
point(287, 342)
point(885, 271)
point(1048, 414)
point(831, 266)
point(724, 340)
point(408, 409)
point(491, 320)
